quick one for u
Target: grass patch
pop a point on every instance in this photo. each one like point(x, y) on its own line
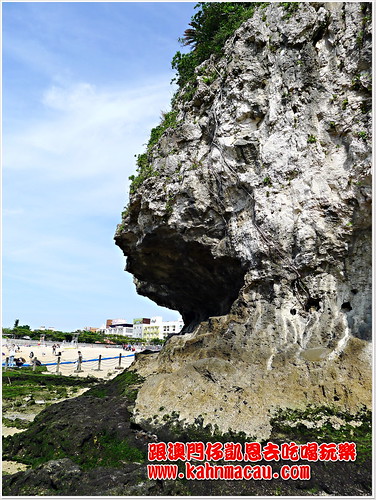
point(125, 384)
point(18, 423)
point(311, 139)
point(293, 425)
point(21, 388)
point(57, 438)
point(104, 450)
point(110, 452)
point(44, 379)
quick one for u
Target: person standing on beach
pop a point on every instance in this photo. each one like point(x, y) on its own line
point(79, 361)
point(12, 353)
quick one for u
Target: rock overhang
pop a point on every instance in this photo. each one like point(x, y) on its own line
point(183, 274)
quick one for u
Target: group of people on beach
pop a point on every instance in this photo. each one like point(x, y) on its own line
point(128, 347)
point(12, 360)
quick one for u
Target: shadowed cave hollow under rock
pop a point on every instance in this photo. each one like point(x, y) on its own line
point(185, 276)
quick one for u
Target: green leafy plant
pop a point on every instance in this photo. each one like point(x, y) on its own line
point(311, 139)
point(168, 121)
point(144, 166)
point(169, 204)
point(267, 181)
point(359, 38)
point(208, 79)
point(362, 135)
point(356, 83)
point(125, 212)
point(209, 29)
point(290, 8)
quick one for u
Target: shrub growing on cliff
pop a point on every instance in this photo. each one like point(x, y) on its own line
point(168, 121)
point(144, 168)
point(211, 26)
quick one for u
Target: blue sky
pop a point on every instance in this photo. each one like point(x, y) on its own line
point(83, 84)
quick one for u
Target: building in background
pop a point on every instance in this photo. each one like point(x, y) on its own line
point(159, 329)
point(153, 329)
point(138, 327)
point(118, 327)
point(172, 327)
point(143, 328)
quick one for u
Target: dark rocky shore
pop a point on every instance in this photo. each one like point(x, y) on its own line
point(89, 445)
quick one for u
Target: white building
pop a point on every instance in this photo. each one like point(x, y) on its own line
point(138, 327)
point(125, 331)
point(172, 327)
point(143, 328)
point(159, 329)
point(118, 327)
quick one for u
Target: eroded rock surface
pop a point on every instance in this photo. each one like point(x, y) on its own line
point(256, 225)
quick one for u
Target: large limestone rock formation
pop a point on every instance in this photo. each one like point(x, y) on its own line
point(255, 225)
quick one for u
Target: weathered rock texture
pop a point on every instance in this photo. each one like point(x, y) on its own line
point(256, 225)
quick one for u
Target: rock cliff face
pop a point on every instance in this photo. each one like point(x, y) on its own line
point(256, 225)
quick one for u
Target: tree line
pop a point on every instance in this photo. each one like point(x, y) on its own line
point(17, 332)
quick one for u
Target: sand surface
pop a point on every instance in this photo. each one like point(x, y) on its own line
point(69, 353)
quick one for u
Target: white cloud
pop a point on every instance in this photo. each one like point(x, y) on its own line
point(77, 96)
point(87, 131)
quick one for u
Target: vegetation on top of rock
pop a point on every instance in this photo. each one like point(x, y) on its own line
point(168, 121)
point(290, 8)
point(144, 167)
point(211, 26)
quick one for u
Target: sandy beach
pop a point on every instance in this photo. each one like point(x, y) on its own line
point(69, 353)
